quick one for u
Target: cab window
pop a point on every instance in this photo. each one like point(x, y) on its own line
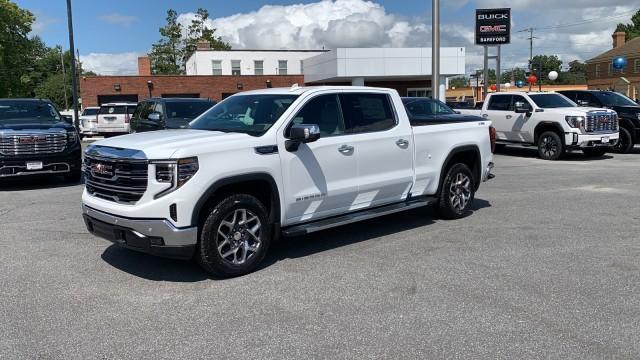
point(519, 99)
point(367, 112)
point(499, 102)
point(323, 111)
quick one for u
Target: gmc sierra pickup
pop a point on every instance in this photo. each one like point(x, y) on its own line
point(278, 161)
point(549, 121)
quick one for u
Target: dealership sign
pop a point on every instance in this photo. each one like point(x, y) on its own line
point(493, 26)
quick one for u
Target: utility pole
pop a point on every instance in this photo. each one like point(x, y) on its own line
point(64, 80)
point(530, 38)
point(74, 79)
point(435, 49)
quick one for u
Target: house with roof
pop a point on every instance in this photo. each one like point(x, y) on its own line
point(602, 75)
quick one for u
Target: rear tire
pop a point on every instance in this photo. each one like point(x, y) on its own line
point(235, 237)
point(457, 193)
point(594, 152)
point(625, 143)
point(550, 146)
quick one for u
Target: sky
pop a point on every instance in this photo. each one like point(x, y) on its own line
point(111, 34)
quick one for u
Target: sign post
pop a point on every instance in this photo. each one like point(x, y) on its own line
point(493, 28)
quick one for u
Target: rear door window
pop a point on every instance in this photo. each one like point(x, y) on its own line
point(367, 112)
point(499, 102)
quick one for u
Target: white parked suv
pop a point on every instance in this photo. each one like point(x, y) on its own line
point(89, 121)
point(115, 118)
point(278, 161)
point(549, 121)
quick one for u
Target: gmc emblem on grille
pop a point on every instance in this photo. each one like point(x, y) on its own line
point(102, 169)
point(32, 139)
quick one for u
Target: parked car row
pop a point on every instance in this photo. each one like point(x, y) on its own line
point(555, 124)
point(118, 118)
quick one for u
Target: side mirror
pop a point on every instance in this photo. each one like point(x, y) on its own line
point(457, 111)
point(582, 103)
point(302, 134)
point(154, 116)
point(522, 108)
point(67, 119)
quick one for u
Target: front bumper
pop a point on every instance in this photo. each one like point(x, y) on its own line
point(152, 236)
point(53, 164)
point(581, 141)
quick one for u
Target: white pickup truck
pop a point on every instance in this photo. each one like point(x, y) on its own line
point(549, 121)
point(278, 161)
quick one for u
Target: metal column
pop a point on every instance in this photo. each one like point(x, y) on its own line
point(435, 49)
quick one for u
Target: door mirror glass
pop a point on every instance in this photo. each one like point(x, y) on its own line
point(521, 107)
point(304, 133)
point(154, 116)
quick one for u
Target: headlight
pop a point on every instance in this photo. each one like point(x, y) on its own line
point(72, 137)
point(575, 121)
point(175, 172)
point(638, 115)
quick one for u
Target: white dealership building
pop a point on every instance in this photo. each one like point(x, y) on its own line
point(407, 70)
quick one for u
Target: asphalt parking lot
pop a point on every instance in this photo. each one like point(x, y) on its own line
point(548, 266)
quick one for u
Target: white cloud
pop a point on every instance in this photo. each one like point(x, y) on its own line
point(111, 64)
point(118, 19)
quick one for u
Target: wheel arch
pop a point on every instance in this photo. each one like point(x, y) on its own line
point(466, 154)
point(253, 184)
point(548, 126)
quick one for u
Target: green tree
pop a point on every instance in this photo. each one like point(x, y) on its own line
point(198, 31)
point(633, 29)
point(15, 49)
point(168, 53)
point(458, 82)
point(513, 75)
point(171, 52)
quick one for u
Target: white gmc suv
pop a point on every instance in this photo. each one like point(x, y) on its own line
point(278, 161)
point(549, 121)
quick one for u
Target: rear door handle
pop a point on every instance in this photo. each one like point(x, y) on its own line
point(509, 116)
point(345, 149)
point(485, 115)
point(402, 143)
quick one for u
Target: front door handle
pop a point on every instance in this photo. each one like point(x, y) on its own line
point(345, 149)
point(485, 115)
point(509, 116)
point(402, 143)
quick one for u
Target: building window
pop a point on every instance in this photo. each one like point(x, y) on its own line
point(235, 68)
point(258, 67)
point(419, 92)
point(216, 66)
point(597, 70)
point(301, 66)
point(282, 67)
point(636, 66)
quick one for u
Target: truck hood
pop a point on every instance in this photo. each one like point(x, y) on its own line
point(164, 143)
point(34, 124)
point(573, 111)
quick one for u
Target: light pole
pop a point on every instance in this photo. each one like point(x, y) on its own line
point(74, 75)
point(435, 49)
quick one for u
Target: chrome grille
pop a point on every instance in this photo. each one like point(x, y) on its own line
point(32, 144)
point(601, 122)
point(121, 180)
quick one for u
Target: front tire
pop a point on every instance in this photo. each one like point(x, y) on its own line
point(594, 152)
point(550, 146)
point(457, 193)
point(625, 143)
point(235, 237)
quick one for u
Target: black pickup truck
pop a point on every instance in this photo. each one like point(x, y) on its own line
point(36, 140)
point(627, 109)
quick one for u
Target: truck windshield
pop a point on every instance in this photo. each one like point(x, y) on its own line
point(550, 101)
point(613, 99)
point(17, 110)
point(249, 114)
point(90, 111)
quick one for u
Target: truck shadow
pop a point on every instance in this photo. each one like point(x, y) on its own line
point(161, 269)
point(36, 183)
point(296, 247)
point(532, 152)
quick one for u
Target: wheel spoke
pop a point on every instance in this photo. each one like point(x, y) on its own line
point(230, 252)
point(223, 244)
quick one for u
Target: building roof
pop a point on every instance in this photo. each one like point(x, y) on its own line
point(630, 47)
point(263, 50)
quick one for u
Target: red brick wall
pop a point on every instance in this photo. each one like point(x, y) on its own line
point(207, 86)
point(144, 66)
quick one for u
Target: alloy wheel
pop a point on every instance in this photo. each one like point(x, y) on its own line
point(238, 236)
point(460, 192)
point(549, 146)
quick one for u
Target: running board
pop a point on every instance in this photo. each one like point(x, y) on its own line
point(311, 227)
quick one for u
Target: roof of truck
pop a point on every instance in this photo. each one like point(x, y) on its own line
point(299, 90)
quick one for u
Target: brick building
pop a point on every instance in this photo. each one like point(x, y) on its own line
point(96, 90)
point(602, 75)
